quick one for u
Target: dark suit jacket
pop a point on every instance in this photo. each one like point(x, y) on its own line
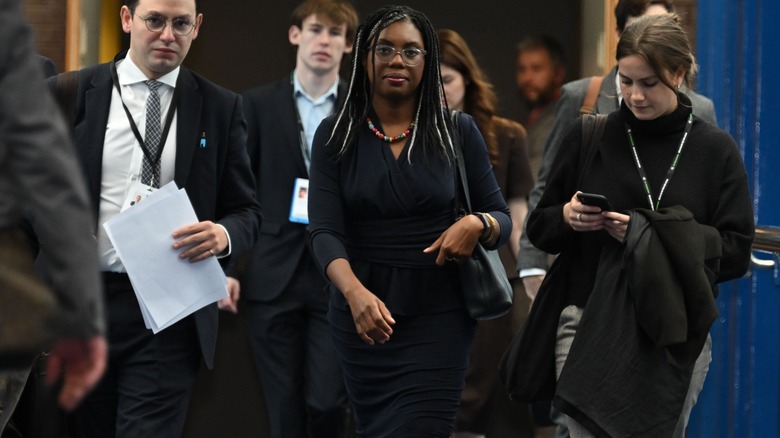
point(217, 178)
point(275, 153)
point(567, 110)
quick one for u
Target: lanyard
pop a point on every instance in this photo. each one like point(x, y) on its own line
point(303, 142)
point(305, 149)
point(669, 173)
point(166, 127)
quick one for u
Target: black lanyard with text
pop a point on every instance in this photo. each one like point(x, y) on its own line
point(669, 173)
point(166, 127)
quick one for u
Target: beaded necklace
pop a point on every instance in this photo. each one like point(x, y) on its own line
point(385, 138)
point(669, 173)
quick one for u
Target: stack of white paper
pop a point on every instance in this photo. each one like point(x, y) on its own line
point(168, 288)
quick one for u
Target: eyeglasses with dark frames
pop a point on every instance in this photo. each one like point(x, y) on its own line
point(411, 56)
point(157, 23)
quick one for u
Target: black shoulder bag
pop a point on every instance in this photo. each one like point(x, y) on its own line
point(527, 369)
point(486, 288)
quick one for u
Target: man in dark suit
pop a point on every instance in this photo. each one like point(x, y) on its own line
point(142, 121)
point(286, 300)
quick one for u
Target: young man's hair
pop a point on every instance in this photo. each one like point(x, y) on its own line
point(336, 11)
point(636, 8)
point(543, 42)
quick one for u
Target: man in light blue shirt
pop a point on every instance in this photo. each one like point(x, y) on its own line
point(286, 303)
point(312, 110)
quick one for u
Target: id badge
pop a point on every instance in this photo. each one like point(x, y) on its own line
point(137, 193)
point(299, 207)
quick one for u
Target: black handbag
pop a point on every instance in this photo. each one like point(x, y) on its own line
point(527, 368)
point(486, 288)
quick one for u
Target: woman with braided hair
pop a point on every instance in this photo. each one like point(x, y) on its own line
point(383, 227)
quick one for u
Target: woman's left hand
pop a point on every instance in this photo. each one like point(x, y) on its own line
point(458, 240)
point(616, 224)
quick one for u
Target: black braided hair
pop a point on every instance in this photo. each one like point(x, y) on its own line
point(431, 123)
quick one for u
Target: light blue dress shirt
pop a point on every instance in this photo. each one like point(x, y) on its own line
point(312, 111)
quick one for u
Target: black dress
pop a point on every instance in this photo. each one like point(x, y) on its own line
point(379, 213)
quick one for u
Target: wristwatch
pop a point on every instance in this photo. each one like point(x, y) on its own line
point(486, 230)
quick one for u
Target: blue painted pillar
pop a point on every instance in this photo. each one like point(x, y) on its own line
point(739, 56)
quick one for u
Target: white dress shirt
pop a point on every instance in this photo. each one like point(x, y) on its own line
point(123, 156)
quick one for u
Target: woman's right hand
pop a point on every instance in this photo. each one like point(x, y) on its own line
point(581, 217)
point(373, 320)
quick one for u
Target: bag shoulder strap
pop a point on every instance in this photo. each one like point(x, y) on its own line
point(458, 152)
point(592, 130)
point(589, 103)
point(67, 85)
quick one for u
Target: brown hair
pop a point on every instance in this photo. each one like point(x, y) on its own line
point(662, 42)
point(337, 11)
point(479, 100)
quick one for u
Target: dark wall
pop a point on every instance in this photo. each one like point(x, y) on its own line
point(243, 43)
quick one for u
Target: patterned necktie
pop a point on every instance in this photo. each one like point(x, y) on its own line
point(150, 174)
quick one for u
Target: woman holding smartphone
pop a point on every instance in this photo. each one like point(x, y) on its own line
point(655, 163)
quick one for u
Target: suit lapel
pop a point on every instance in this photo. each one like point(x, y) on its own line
point(288, 116)
point(91, 138)
point(188, 114)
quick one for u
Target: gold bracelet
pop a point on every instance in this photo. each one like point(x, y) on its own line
point(489, 224)
point(493, 228)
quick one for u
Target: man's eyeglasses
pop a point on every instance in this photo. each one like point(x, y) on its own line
point(411, 56)
point(180, 26)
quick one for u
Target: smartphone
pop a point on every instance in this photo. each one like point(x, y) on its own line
point(596, 200)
